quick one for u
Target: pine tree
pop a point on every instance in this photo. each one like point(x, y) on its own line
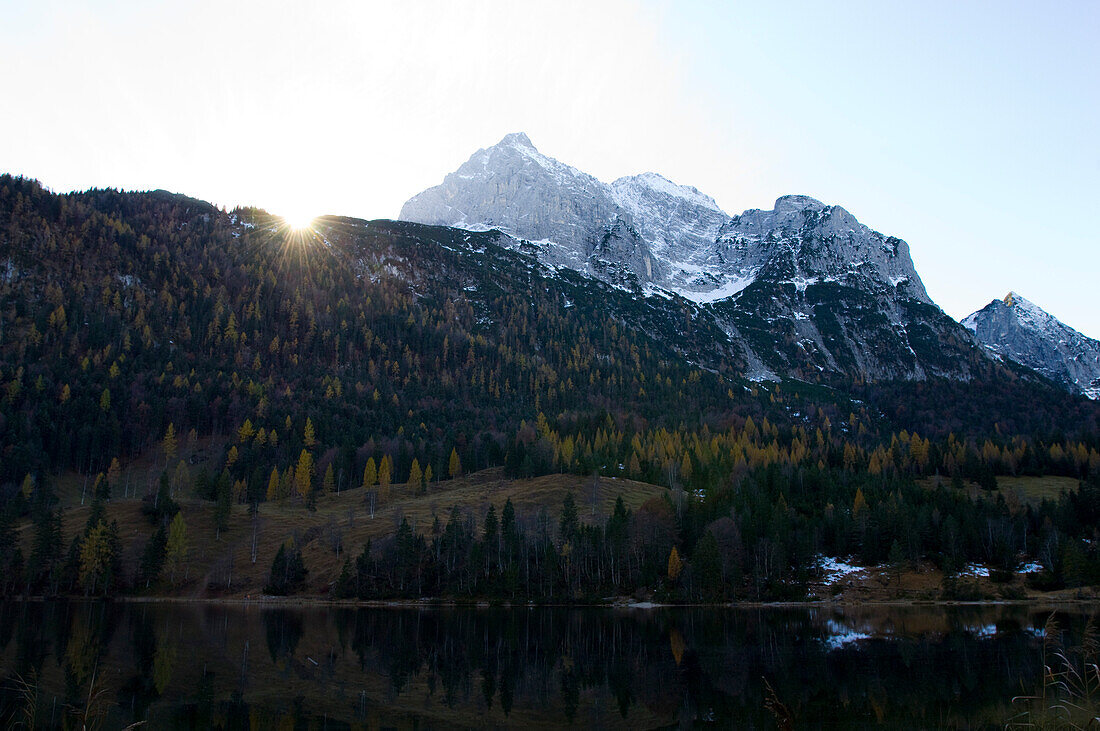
point(152, 558)
point(175, 548)
point(222, 505)
point(98, 553)
point(11, 556)
point(568, 523)
point(707, 566)
point(288, 571)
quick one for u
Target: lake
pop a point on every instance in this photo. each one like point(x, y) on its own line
point(232, 666)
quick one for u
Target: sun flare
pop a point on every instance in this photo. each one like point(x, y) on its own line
point(299, 220)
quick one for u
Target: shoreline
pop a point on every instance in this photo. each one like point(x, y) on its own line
point(308, 602)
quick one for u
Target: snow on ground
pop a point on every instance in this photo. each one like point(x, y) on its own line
point(801, 283)
point(833, 569)
point(651, 290)
point(731, 287)
point(975, 570)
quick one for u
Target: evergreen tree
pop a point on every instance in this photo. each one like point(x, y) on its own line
point(288, 571)
point(11, 557)
point(568, 524)
point(99, 558)
point(176, 548)
point(152, 558)
point(706, 567)
point(43, 569)
point(223, 504)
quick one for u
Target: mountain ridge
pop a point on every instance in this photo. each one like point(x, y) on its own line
point(801, 289)
point(1016, 328)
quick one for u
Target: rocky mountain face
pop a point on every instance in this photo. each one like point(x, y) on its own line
point(1018, 329)
point(804, 289)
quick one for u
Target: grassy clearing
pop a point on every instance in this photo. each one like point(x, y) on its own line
point(222, 564)
point(1026, 489)
point(1036, 489)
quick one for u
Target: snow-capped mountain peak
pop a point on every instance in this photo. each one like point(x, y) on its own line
point(517, 139)
point(514, 187)
point(792, 203)
point(820, 291)
point(660, 185)
point(1021, 330)
point(643, 230)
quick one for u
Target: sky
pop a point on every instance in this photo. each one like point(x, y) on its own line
point(969, 129)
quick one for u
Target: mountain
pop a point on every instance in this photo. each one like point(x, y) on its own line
point(1018, 329)
point(122, 313)
point(802, 290)
point(223, 358)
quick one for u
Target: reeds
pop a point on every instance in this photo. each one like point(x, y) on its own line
point(1069, 697)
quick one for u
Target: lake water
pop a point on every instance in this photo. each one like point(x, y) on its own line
point(211, 666)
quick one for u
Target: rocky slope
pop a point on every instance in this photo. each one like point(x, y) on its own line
point(804, 289)
point(1018, 329)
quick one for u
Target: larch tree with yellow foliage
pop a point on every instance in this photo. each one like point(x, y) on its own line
point(303, 474)
point(309, 435)
point(273, 484)
point(169, 444)
point(859, 503)
point(675, 564)
point(454, 465)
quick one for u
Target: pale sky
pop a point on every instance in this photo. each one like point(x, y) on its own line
point(971, 130)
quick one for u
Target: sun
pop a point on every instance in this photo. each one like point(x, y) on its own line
point(299, 220)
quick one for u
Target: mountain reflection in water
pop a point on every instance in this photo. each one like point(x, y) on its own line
point(214, 666)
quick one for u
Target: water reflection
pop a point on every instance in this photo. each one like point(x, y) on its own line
point(174, 665)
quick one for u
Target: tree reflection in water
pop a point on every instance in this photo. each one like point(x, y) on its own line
point(178, 665)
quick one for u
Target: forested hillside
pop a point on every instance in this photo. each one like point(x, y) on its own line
point(365, 355)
